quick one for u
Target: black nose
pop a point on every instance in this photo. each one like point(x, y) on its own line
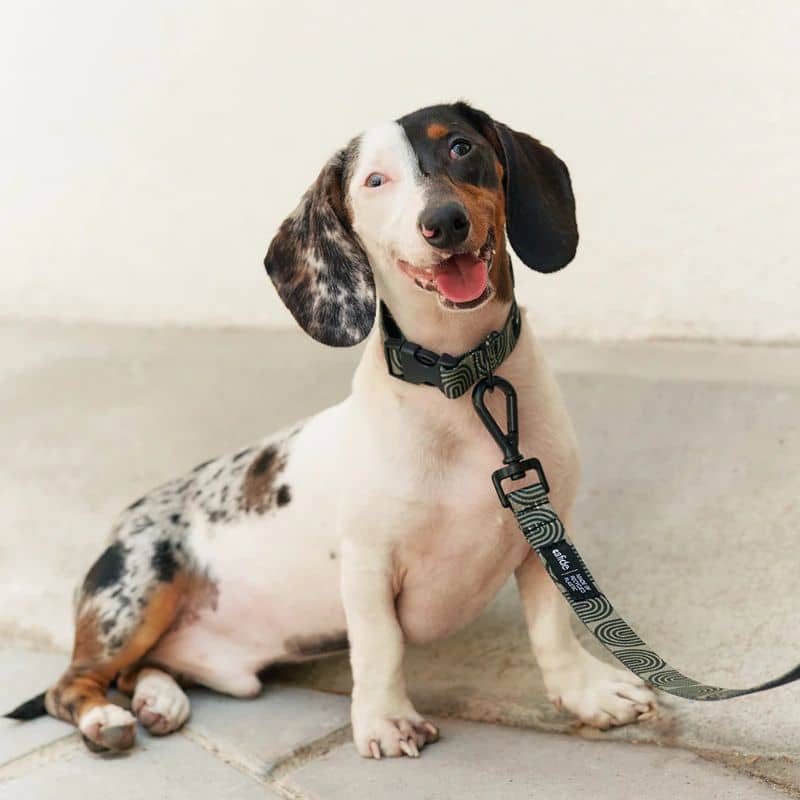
point(445, 226)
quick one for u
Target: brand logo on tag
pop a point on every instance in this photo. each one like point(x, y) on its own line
point(565, 565)
point(563, 561)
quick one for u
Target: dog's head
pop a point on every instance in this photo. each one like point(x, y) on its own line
point(421, 205)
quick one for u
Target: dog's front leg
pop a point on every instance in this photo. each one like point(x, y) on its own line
point(384, 721)
point(599, 694)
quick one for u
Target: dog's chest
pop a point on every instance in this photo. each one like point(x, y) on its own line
point(455, 558)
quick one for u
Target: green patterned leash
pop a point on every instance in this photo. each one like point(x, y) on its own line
point(545, 533)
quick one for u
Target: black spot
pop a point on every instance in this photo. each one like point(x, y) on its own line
point(204, 464)
point(106, 571)
point(262, 463)
point(332, 555)
point(175, 519)
point(137, 503)
point(242, 454)
point(284, 495)
point(163, 561)
point(107, 625)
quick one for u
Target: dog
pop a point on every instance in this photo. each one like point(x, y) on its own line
point(374, 522)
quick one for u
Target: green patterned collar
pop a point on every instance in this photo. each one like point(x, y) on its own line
point(452, 375)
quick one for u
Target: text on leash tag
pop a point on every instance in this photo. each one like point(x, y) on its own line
point(565, 564)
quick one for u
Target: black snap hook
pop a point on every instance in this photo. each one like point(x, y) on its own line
point(508, 440)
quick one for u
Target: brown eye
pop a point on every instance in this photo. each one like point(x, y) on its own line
point(375, 179)
point(459, 148)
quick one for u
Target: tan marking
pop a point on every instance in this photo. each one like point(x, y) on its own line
point(126, 681)
point(85, 683)
point(500, 276)
point(436, 130)
point(487, 208)
point(257, 487)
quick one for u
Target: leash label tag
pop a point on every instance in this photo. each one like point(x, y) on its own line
point(565, 564)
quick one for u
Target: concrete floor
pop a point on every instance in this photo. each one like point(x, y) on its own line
point(296, 744)
point(688, 512)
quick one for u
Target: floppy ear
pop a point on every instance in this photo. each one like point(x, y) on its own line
point(319, 267)
point(540, 206)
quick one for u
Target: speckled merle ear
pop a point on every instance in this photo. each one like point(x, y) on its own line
point(318, 265)
point(540, 206)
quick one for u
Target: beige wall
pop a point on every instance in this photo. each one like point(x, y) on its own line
point(149, 149)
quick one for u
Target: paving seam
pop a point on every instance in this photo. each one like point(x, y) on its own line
point(39, 757)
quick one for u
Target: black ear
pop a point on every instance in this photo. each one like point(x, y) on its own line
point(540, 206)
point(318, 265)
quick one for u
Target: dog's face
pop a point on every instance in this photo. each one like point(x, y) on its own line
point(426, 200)
point(421, 205)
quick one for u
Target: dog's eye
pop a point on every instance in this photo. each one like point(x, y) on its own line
point(375, 179)
point(459, 148)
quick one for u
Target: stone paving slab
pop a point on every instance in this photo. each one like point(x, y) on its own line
point(474, 761)
point(172, 768)
point(260, 733)
point(24, 674)
point(296, 742)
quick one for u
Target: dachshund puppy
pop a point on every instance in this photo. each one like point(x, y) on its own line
point(374, 522)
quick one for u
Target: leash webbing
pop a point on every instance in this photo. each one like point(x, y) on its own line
point(545, 533)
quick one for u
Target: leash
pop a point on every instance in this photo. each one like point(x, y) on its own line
point(538, 521)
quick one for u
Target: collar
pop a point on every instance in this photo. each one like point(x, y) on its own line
point(452, 375)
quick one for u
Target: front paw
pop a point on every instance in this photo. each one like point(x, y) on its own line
point(392, 732)
point(599, 694)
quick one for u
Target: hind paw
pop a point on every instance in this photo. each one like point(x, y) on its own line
point(108, 727)
point(159, 703)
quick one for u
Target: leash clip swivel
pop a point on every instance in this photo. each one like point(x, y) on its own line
point(508, 440)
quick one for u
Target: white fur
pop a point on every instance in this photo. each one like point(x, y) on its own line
point(394, 531)
point(158, 702)
point(385, 218)
point(95, 723)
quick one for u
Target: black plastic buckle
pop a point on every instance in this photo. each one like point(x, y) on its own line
point(420, 366)
point(517, 471)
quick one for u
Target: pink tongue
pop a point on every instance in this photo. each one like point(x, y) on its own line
point(461, 278)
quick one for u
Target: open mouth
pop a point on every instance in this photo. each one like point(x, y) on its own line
point(461, 281)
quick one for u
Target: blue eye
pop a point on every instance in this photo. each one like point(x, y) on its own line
point(375, 179)
point(459, 148)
